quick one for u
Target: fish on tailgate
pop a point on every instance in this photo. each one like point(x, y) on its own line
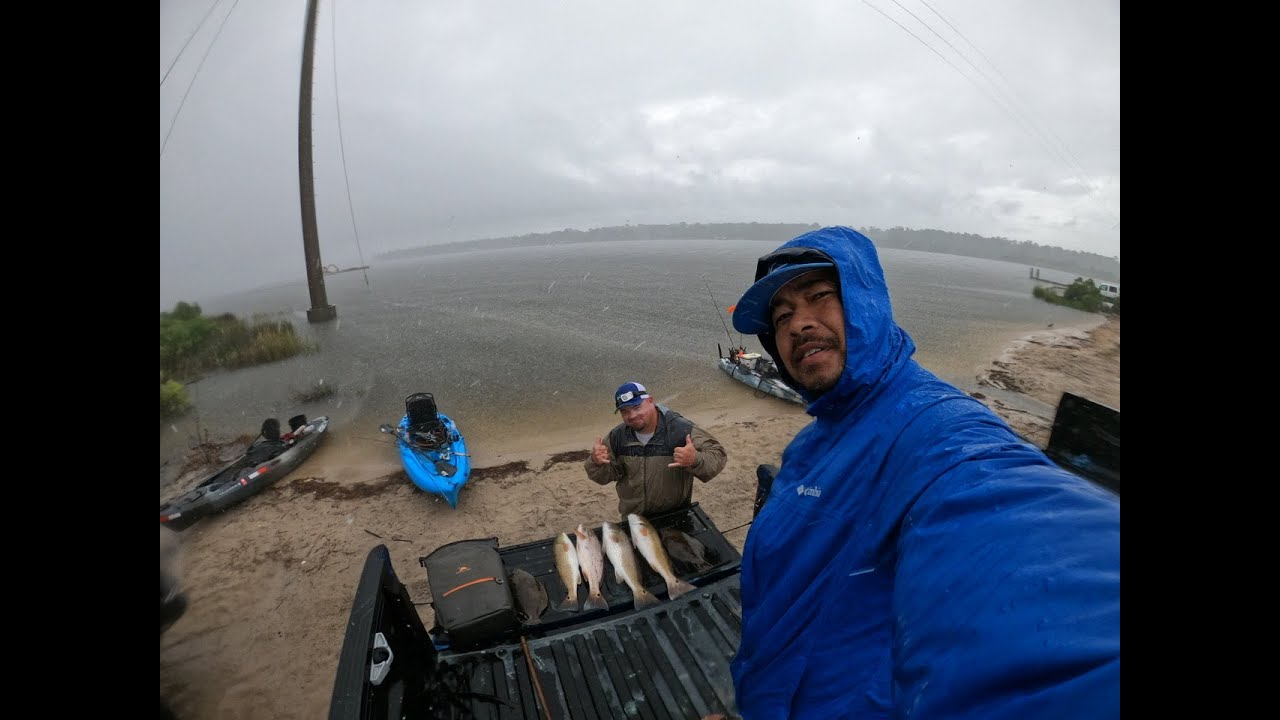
point(686, 549)
point(591, 560)
point(567, 568)
point(649, 544)
point(625, 568)
point(531, 596)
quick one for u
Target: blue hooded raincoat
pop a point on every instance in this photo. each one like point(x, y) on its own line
point(915, 557)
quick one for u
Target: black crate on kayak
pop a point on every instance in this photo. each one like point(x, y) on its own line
point(469, 592)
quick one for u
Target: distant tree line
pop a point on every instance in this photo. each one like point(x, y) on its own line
point(1091, 265)
point(941, 241)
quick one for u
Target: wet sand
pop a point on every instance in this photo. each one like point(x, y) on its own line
point(270, 582)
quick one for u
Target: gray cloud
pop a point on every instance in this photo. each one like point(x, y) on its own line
point(461, 121)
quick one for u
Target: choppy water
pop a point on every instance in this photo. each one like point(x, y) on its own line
point(517, 340)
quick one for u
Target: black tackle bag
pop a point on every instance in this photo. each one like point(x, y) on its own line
point(470, 594)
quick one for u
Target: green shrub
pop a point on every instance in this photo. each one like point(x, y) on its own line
point(1081, 294)
point(191, 342)
point(185, 311)
point(264, 342)
point(173, 399)
point(184, 333)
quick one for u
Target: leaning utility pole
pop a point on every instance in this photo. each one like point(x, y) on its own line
point(321, 310)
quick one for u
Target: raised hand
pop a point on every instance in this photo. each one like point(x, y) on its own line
point(685, 455)
point(600, 453)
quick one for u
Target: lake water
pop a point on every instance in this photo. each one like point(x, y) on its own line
point(517, 340)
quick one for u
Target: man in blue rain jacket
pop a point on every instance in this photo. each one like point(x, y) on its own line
point(915, 557)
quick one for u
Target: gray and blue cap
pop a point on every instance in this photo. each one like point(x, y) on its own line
point(753, 313)
point(629, 395)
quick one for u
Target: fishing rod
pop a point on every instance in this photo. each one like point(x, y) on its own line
point(717, 307)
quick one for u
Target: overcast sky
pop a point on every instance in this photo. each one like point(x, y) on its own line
point(451, 121)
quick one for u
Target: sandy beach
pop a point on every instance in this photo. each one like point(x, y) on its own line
point(270, 582)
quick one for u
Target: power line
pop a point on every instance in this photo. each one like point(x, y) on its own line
point(1048, 131)
point(188, 42)
point(187, 92)
point(341, 146)
point(1006, 105)
point(1007, 82)
point(986, 77)
point(944, 59)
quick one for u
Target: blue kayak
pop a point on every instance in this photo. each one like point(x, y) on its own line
point(436, 461)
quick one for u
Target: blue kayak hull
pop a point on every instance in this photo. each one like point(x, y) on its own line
point(420, 465)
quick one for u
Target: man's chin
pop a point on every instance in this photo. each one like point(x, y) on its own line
point(818, 385)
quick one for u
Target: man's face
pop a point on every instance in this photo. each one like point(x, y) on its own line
point(808, 323)
point(637, 416)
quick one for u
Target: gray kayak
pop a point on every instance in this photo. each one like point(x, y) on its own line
point(754, 378)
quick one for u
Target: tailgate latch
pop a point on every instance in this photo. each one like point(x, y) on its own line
point(382, 657)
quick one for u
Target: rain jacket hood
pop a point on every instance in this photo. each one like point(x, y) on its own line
point(876, 348)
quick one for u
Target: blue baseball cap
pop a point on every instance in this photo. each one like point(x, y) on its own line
point(753, 313)
point(629, 395)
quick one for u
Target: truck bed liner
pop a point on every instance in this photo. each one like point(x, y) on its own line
point(670, 661)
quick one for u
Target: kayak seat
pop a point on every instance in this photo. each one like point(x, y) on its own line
point(425, 427)
point(267, 445)
point(270, 429)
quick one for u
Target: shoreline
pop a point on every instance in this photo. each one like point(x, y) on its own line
point(1025, 383)
point(270, 582)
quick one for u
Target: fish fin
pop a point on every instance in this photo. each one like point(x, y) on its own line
point(595, 601)
point(644, 598)
point(570, 604)
point(678, 587)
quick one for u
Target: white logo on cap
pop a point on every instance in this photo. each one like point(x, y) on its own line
point(630, 395)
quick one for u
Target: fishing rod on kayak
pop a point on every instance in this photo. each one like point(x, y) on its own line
point(402, 436)
point(717, 307)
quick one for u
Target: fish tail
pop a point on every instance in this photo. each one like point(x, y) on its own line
point(678, 587)
point(595, 601)
point(570, 604)
point(644, 598)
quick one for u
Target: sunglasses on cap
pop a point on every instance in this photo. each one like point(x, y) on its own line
point(790, 256)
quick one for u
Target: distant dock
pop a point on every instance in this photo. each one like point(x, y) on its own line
point(334, 269)
point(1034, 274)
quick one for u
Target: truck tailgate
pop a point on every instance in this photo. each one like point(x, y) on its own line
point(670, 660)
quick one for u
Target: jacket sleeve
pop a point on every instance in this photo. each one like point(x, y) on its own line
point(711, 455)
point(1007, 588)
point(605, 474)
